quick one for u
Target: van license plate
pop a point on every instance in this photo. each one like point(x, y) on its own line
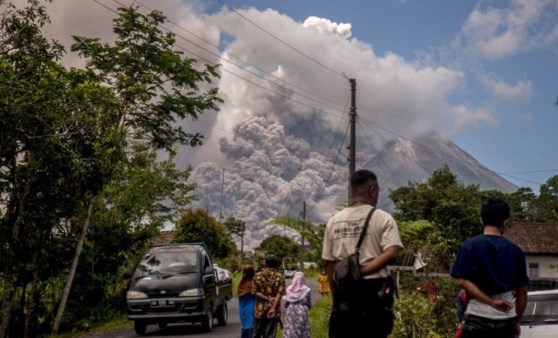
point(162, 303)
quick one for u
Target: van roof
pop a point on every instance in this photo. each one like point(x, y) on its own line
point(193, 246)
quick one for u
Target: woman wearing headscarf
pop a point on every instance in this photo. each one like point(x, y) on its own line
point(246, 301)
point(297, 303)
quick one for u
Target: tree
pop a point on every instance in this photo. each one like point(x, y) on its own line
point(311, 232)
point(546, 204)
point(145, 193)
point(48, 146)
point(280, 246)
point(155, 86)
point(64, 132)
point(199, 226)
point(451, 207)
point(522, 204)
point(236, 227)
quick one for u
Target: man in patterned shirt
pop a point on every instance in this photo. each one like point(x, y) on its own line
point(269, 287)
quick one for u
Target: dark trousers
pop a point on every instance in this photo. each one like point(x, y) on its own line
point(265, 327)
point(247, 333)
point(479, 327)
point(364, 310)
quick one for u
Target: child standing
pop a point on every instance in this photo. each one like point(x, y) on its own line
point(323, 284)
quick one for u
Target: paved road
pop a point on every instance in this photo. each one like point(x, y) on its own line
point(231, 330)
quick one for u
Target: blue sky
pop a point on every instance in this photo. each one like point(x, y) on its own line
point(517, 82)
point(482, 73)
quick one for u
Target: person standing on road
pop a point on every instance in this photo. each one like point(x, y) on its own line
point(246, 301)
point(298, 301)
point(490, 268)
point(323, 284)
point(269, 287)
point(370, 312)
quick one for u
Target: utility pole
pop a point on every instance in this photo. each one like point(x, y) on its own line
point(301, 261)
point(352, 144)
point(221, 203)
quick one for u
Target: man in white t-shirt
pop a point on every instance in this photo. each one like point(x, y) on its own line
point(370, 311)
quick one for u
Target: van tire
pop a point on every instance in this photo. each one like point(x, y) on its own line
point(222, 314)
point(207, 323)
point(140, 327)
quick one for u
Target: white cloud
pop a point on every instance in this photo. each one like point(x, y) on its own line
point(520, 92)
point(325, 25)
point(494, 33)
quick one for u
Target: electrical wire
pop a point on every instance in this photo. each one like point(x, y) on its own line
point(283, 42)
point(232, 73)
point(238, 58)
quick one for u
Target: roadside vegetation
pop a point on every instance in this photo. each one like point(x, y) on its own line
point(84, 188)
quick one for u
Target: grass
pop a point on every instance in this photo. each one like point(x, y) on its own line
point(117, 324)
point(319, 317)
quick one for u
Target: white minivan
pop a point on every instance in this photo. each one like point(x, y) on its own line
point(541, 315)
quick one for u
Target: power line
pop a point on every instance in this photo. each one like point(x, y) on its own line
point(283, 42)
point(238, 58)
point(232, 73)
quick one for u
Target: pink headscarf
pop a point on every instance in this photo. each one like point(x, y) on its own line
point(298, 288)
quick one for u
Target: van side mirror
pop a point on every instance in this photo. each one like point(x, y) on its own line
point(209, 270)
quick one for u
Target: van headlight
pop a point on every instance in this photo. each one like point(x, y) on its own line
point(135, 295)
point(192, 293)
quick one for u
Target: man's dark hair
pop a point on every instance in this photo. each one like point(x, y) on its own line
point(494, 211)
point(361, 178)
point(272, 261)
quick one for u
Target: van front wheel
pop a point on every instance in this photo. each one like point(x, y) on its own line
point(222, 314)
point(207, 323)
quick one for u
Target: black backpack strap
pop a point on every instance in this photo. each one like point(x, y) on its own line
point(364, 229)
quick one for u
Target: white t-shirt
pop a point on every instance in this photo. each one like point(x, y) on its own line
point(343, 230)
point(475, 307)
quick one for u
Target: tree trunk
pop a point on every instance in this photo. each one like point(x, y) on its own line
point(29, 308)
point(7, 298)
point(73, 269)
point(13, 217)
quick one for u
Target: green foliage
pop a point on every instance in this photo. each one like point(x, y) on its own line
point(319, 317)
point(281, 246)
point(451, 207)
point(314, 234)
point(546, 205)
point(67, 139)
point(157, 85)
point(416, 316)
point(522, 204)
point(235, 226)
point(199, 226)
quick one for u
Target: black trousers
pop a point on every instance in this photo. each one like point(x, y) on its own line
point(364, 310)
point(479, 327)
point(265, 327)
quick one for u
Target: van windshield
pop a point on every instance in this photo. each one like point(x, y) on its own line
point(167, 262)
point(541, 309)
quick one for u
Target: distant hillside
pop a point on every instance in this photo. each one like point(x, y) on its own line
point(403, 161)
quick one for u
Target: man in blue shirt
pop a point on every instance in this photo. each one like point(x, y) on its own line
point(491, 268)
